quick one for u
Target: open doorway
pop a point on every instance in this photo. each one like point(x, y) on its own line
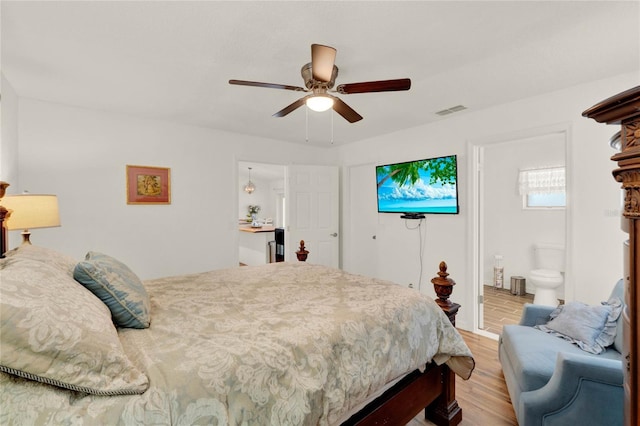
point(261, 204)
point(506, 228)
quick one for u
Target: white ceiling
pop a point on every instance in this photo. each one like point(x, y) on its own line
point(172, 60)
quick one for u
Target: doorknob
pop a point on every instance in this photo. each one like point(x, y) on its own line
point(335, 234)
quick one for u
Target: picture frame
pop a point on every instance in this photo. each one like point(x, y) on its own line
point(148, 185)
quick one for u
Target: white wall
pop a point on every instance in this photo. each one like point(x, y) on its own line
point(81, 156)
point(8, 135)
point(595, 245)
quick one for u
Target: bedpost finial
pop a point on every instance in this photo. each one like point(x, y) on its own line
point(302, 252)
point(443, 269)
point(443, 285)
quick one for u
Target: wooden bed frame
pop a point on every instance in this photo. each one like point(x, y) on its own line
point(432, 390)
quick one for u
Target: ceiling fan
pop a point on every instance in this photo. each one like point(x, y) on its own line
point(319, 76)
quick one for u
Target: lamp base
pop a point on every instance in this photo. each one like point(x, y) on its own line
point(25, 237)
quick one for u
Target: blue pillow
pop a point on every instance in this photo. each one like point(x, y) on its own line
point(592, 328)
point(118, 287)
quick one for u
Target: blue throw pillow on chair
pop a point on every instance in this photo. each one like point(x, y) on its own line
point(591, 328)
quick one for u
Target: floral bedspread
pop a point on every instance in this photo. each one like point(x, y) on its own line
point(280, 344)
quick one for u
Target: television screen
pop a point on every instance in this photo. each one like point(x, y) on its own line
point(419, 187)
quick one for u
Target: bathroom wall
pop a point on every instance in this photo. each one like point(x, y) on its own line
point(510, 230)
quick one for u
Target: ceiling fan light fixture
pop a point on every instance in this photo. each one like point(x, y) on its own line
point(319, 103)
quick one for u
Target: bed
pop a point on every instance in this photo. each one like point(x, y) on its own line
point(285, 343)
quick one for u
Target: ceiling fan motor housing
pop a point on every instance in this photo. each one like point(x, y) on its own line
point(310, 83)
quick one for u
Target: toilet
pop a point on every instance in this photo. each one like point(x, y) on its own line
point(547, 277)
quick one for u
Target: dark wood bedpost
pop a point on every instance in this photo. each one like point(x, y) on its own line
point(3, 214)
point(445, 410)
point(444, 287)
point(302, 252)
point(624, 109)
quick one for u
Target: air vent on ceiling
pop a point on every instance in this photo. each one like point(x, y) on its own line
point(451, 110)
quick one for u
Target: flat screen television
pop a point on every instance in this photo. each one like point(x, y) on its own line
point(419, 187)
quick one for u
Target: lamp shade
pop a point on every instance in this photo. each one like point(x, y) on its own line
point(28, 211)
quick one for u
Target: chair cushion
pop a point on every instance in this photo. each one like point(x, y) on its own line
point(532, 354)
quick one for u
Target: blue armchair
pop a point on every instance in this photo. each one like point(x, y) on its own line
point(553, 382)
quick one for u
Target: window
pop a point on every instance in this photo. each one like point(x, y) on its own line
point(543, 188)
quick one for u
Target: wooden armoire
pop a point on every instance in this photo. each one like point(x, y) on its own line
point(624, 109)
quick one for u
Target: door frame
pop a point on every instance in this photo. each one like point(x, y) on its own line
point(476, 194)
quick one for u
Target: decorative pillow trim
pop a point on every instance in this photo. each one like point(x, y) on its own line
point(608, 335)
point(122, 391)
point(94, 283)
point(118, 287)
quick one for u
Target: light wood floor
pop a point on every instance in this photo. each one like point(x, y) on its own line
point(501, 307)
point(483, 398)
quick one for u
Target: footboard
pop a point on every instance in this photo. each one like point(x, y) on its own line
point(433, 390)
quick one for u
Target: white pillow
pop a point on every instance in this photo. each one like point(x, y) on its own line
point(42, 254)
point(55, 331)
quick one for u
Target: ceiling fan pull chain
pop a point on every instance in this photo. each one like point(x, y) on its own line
point(306, 125)
point(331, 127)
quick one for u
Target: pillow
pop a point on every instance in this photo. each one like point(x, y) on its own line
point(54, 331)
point(117, 286)
point(42, 254)
point(618, 291)
point(592, 328)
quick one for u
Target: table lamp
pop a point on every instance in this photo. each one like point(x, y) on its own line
point(29, 211)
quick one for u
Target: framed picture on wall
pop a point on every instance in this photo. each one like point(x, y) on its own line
point(148, 185)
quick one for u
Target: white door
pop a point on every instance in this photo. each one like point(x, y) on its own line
point(312, 194)
point(359, 238)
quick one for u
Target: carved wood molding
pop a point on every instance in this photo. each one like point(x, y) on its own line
point(631, 131)
point(630, 179)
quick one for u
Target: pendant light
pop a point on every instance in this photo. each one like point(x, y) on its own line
point(249, 187)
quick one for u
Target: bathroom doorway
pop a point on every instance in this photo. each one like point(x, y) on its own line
point(506, 227)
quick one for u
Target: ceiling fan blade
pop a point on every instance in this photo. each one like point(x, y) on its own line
point(375, 86)
point(267, 85)
point(322, 60)
point(345, 110)
point(294, 106)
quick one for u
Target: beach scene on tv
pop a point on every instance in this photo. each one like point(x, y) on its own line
point(423, 186)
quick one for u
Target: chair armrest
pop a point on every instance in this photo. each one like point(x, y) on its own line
point(582, 390)
point(535, 314)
